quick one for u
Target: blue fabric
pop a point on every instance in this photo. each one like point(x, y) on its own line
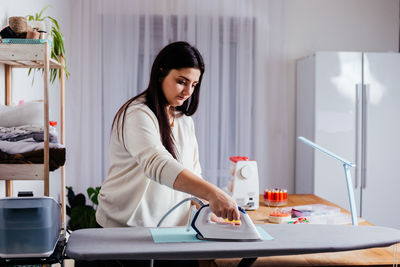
point(179, 234)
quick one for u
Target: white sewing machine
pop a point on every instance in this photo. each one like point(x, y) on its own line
point(243, 185)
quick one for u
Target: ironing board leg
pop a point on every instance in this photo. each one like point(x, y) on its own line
point(246, 262)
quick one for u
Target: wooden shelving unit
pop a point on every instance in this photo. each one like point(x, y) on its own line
point(33, 56)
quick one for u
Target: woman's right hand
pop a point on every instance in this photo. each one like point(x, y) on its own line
point(220, 202)
point(223, 205)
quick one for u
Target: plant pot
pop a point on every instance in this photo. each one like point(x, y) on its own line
point(43, 35)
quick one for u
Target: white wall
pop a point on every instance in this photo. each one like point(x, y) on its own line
point(22, 88)
point(339, 25)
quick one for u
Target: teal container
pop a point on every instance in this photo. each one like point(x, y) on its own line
point(26, 41)
point(29, 227)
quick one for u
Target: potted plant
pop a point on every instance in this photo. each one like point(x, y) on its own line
point(57, 49)
point(82, 215)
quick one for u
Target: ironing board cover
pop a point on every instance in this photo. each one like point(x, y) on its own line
point(137, 243)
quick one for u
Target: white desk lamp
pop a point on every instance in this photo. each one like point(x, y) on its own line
point(349, 183)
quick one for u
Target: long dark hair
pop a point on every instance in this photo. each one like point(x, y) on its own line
point(176, 55)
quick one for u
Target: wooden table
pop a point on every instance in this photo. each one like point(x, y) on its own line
point(375, 256)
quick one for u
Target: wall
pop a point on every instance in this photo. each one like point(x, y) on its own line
point(22, 87)
point(340, 25)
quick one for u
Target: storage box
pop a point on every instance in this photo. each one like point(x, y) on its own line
point(29, 226)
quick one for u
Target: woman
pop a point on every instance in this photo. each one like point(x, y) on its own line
point(153, 149)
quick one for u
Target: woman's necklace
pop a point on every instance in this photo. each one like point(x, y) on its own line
point(171, 117)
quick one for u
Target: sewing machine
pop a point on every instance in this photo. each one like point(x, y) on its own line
point(243, 185)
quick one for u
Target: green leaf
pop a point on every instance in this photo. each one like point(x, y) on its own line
point(33, 75)
point(93, 194)
point(53, 75)
point(68, 210)
point(90, 191)
point(82, 217)
point(55, 22)
point(30, 18)
point(70, 194)
point(57, 49)
point(41, 12)
point(79, 200)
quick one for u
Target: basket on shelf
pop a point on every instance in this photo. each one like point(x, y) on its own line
point(18, 25)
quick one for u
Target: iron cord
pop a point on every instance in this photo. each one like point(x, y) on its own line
point(177, 205)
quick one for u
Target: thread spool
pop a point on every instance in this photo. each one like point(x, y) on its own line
point(275, 197)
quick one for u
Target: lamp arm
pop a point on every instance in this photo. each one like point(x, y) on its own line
point(350, 192)
point(349, 183)
point(329, 153)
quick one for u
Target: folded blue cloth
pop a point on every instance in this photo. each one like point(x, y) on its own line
point(179, 234)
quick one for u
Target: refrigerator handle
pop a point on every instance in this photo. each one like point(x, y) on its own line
point(358, 134)
point(365, 94)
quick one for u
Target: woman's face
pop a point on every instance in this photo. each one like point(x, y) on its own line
point(179, 85)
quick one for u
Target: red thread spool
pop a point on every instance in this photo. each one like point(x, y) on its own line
point(275, 197)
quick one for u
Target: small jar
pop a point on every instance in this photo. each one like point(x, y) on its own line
point(280, 216)
point(34, 34)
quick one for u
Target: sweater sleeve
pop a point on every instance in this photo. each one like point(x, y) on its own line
point(143, 141)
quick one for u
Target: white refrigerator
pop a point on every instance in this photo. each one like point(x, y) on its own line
point(349, 103)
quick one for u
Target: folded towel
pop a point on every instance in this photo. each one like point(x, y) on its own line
point(56, 158)
point(28, 113)
point(25, 145)
point(13, 134)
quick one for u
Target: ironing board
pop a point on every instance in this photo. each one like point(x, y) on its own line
point(137, 243)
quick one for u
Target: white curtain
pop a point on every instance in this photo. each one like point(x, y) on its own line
point(114, 44)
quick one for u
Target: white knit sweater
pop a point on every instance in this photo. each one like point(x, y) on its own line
point(138, 190)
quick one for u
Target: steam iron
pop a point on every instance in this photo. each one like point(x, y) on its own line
point(208, 230)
